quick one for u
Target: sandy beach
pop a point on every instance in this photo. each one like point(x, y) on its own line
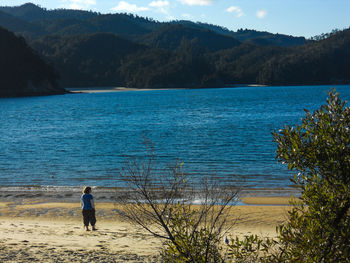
point(105, 89)
point(34, 227)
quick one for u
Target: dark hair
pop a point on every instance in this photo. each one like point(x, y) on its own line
point(87, 190)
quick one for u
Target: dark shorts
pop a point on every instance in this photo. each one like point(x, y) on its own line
point(89, 217)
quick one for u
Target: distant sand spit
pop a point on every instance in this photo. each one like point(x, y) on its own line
point(105, 89)
point(35, 228)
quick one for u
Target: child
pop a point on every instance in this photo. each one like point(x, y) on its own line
point(88, 206)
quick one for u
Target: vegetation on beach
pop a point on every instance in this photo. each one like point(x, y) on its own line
point(319, 150)
point(191, 217)
point(318, 226)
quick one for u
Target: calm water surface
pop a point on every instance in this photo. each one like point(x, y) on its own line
point(80, 139)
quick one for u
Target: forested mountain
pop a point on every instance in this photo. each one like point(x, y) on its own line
point(87, 60)
point(170, 36)
point(72, 22)
point(31, 12)
point(323, 62)
point(186, 67)
point(20, 26)
point(22, 72)
point(250, 36)
point(91, 49)
point(267, 38)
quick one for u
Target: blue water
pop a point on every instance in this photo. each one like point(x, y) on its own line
point(82, 139)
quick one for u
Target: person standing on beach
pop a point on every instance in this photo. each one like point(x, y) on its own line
point(88, 208)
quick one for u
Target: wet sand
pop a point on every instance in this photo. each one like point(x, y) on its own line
point(46, 226)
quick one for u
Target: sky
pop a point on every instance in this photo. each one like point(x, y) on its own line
point(292, 17)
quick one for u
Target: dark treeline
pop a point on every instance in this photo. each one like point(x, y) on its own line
point(91, 49)
point(87, 60)
point(22, 72)
point(322, 62)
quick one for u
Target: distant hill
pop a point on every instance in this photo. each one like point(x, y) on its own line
point(266, 38)
point(72, 22)
point(91, 49)
point(120, 62)
point(248, 35)
point(22, 72)
point(101, 24)
point(186, 67)
point(20, 26)
point(322, 62)
point(170, 36)
point(31, 12)
point(87, 60)
point(319, 62)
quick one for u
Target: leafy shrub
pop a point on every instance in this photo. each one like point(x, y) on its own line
point(318, 226)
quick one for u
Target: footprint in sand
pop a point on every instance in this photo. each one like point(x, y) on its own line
point(101, 246)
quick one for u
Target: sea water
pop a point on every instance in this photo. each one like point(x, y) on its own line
point(86, 139)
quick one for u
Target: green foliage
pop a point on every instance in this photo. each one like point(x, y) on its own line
point(192, 242)
point(252, 249)
point(318, 228)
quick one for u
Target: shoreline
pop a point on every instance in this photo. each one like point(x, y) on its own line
point(102, 89)
point(121, 89)
point(67, 194)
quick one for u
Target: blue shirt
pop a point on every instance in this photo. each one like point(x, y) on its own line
point(86, 201)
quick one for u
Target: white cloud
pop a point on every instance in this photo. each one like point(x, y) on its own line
point(196, 2)
point(78, 4)
point(261, 14)
point(127, 7)
point(235, 9)
point(159, 4)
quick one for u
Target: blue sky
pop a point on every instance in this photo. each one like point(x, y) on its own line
point(293, 17)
